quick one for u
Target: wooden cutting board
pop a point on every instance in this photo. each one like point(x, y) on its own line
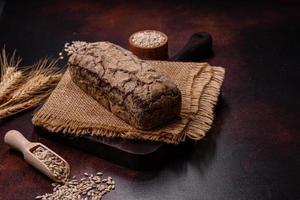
point(134, 154)
point(137, 154)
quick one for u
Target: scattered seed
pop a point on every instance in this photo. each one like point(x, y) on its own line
point(84, 189)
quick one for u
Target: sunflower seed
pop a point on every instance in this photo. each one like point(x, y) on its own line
point(80, 189)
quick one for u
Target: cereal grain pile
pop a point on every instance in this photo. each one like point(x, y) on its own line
point(90, 187)
point(148, 39)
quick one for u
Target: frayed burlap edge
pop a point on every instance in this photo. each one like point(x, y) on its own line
point(202, 121)
point(195, 129)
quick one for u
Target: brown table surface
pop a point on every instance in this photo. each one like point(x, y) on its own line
point(252, 151)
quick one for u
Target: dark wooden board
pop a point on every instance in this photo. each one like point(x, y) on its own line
point(134, 154)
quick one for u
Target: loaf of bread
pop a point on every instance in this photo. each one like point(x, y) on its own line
point(125, 85)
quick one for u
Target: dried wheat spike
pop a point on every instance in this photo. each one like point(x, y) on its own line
point(22, 106)
point(11, 77)
point(41, 80)
point(21, 89)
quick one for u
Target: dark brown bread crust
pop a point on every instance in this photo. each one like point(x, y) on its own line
point(127, 86)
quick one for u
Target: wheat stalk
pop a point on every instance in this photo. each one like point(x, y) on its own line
point(23, 89)
point(8, 84)
point(43, 78)
point(16, 108)
point(10, 76)
point(40, 84)
point(5, 62)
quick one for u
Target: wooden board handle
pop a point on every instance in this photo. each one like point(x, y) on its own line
point(16, 140)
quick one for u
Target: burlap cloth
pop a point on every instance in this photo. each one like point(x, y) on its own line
point(70, 110)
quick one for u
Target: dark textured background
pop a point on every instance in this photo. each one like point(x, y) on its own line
point(253, 149)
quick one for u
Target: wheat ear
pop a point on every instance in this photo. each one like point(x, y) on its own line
point(22, 106)
point(10, 76)
point(42, 80)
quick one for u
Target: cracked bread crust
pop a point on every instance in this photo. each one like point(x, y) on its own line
point(125, 85)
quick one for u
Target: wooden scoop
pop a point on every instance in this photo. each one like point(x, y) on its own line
point(39, 156)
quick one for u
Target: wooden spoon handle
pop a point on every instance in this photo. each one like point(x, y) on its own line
point(16, 140)
point(198, 48)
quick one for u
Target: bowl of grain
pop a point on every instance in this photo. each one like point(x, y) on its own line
point(149, 44)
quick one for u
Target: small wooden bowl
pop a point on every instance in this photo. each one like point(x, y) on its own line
point(159, 52)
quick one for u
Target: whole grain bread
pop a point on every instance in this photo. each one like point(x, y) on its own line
point(127, 86)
